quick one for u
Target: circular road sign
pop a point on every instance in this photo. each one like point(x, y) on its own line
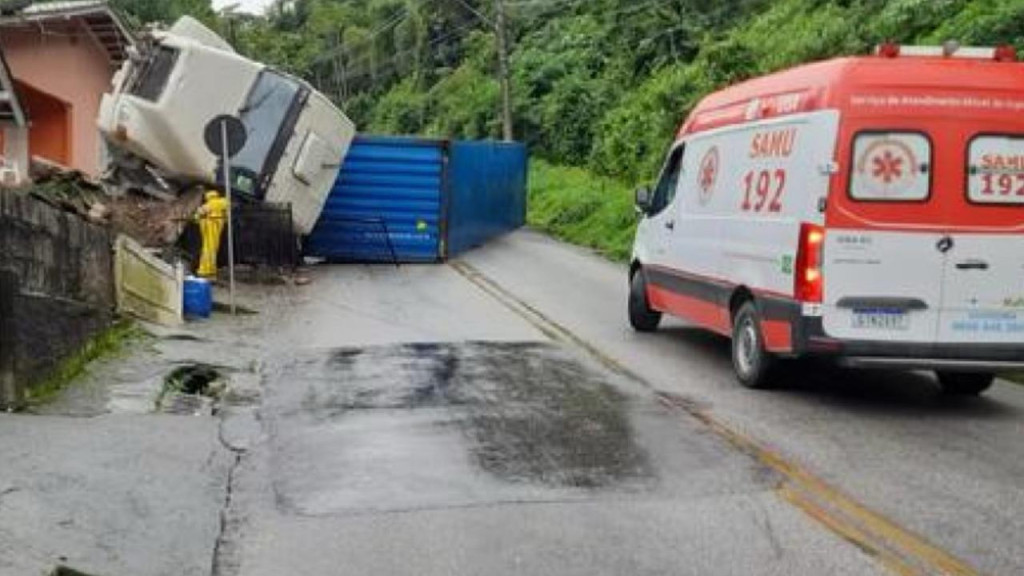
point(235, 131)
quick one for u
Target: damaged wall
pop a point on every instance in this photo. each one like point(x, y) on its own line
point(65, 294)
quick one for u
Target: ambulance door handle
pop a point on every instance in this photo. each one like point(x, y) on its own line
point(972, 265)
point(671, 224)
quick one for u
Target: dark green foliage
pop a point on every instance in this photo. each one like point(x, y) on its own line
point(597, 83)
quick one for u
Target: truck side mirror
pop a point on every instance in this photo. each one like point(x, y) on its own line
point(644, 197)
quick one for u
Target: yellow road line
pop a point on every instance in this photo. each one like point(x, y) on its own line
point(898, 549)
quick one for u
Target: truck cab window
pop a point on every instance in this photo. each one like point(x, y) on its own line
point(665, 192)
point(152, 80)
point(265, 113)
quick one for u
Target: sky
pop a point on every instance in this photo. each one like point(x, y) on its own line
point(254, 6)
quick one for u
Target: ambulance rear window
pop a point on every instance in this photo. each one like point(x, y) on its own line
point(995, 170)
point(891, 167)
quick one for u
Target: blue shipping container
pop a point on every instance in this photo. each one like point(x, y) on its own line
point(386, 204)
point(416, 200)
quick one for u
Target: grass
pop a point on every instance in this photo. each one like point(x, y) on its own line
point(1015, 377)
point(105, 344)
point(582, 208)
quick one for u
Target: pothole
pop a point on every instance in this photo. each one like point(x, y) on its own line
point(194, 379)
point(192, 389)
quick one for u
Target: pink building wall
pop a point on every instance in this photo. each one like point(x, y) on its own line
point(70, 65)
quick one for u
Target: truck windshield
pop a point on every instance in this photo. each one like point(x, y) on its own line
point(153, 78)
point(264, 113)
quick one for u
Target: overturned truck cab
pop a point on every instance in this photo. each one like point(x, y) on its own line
point(180, 79)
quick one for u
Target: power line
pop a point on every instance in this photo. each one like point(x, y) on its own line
point(478, 14)
point(399, 55)
point(342, 49)
point(397, 19)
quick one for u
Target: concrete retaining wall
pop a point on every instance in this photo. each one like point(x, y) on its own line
point(58, 288)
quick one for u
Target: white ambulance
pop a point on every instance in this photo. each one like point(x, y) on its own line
point(868, 210)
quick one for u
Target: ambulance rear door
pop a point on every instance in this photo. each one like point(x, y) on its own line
point(883, 256)
point(983, 284)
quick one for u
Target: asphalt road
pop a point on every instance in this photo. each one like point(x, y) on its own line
point(948, 470)
point(497, 416)
point(411, 423)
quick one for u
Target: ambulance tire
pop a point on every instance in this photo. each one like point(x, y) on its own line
point(753, 364)
point(641, 317)
point(965, 383)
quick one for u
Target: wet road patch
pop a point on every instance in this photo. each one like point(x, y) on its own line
point(429, 424)
point(536, 415)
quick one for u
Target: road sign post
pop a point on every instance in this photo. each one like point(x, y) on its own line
point(225, 136)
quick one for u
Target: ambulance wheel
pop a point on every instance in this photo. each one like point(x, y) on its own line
point(750, 360)
point(965, 383)
point(641, 317)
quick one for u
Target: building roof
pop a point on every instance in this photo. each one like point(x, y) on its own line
point(62, 7)
point(99, 18)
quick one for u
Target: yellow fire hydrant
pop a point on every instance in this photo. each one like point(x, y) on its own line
point(212, 216)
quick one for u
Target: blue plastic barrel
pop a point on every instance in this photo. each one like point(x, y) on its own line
point(198, 298)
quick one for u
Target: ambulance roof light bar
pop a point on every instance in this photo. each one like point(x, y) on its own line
point(951, 49)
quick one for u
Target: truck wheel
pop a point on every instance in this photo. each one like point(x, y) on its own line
point(750, 360)
point(965, 383)
point(641, 317)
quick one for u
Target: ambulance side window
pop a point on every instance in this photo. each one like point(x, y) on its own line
point(891, 167)
point(995, 170)
point(665, 192)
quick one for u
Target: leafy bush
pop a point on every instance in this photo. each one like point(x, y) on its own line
point(402, 110)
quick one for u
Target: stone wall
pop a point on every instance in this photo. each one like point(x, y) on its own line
point(59, 286)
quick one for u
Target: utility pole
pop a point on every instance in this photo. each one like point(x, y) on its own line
point(501, 26)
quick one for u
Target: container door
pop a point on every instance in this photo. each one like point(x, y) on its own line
point(486, 192)
point(983, 300)
point(884, 252)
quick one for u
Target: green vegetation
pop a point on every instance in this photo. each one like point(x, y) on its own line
point(600, 85)
point(106, 344)
point(1015, 377)
point(582, 208)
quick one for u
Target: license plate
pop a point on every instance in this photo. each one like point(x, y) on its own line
point(881, 319)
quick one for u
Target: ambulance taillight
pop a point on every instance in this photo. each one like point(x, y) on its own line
point(809, 281)
point(1006, 53)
